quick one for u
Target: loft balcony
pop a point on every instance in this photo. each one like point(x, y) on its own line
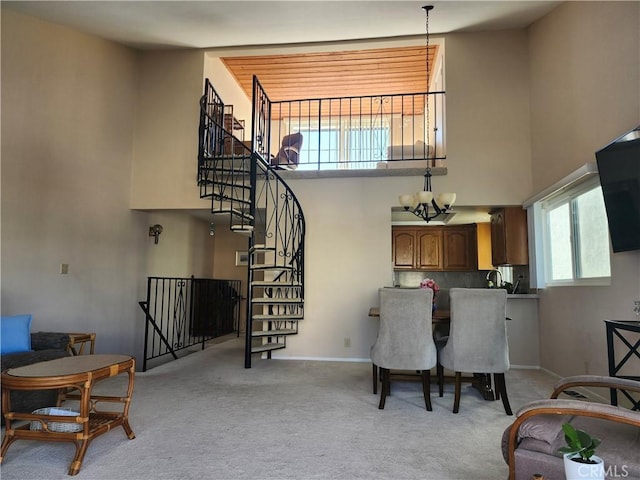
point(350, 134)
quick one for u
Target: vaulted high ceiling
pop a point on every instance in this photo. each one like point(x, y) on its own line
point(382, 71)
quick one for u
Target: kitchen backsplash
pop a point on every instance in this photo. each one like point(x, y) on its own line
point(476, 279)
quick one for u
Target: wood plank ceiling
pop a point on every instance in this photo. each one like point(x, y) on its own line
point(384, 71)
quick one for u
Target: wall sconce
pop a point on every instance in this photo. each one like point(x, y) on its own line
point(155, 232)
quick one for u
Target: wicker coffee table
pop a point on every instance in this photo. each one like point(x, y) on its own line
point(74, 377)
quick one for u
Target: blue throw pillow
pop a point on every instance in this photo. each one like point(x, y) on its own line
point(15, 334)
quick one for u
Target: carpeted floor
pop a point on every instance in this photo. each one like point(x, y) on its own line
point(207, 417)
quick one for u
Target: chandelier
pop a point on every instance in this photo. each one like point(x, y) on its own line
point(423, 204)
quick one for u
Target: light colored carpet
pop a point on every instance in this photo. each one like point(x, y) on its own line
point(206, 417)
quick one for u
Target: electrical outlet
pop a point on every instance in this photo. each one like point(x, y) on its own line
point(347, 342)
point(636, 308)
point(64, 268)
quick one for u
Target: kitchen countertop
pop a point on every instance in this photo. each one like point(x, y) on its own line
point(509, 295)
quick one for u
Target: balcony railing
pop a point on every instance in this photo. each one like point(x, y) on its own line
point(185, 312)
point(347, 133)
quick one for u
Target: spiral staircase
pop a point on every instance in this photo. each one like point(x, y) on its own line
point(259, 204)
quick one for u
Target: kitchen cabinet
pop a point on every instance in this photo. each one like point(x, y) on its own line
point(429, 251)
point(460, 248)
point(403, 249)
point(509, 236)
point(437, 248)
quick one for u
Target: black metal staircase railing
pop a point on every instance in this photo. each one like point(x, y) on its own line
point(184, 312)
point(260, 205)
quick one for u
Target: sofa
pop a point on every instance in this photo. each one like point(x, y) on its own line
point(530, 445)
point(19, 348)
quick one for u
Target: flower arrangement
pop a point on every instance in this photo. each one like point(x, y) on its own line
point(430, 283)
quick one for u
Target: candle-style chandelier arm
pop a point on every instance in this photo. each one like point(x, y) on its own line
point(419, 203)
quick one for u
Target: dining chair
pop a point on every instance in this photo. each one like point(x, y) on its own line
point(405, 340)
point(477, 339)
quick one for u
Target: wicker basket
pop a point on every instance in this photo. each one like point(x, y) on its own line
point(56, 426)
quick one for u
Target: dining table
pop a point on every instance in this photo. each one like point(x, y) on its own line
point(440, 319)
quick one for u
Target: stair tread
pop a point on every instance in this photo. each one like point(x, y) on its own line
point(240, 213)
point(238, 171)
point(228, 184)
point(277, 300)
point(278, 318)
point(243, 232)
point(275, 283)
point(264, 266)
point(267, 347)
point(262, 248)
point(273, 333)
point(226, 198)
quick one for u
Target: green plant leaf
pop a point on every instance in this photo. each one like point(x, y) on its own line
point(578, 442)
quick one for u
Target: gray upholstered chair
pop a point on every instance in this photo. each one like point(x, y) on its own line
point(405, 339)
point(477, 339)
point(530, 445)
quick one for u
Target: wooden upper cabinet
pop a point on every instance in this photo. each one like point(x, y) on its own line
point(429, 252)
point(435, 248)
point(509, 244)
point(460, 248)
point(403, 248)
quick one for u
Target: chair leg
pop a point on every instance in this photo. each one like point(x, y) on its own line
point(456, 401)
point(440, 371)
point(375, 378)
point(385, 388)
point(501, 389)
point(426, 388)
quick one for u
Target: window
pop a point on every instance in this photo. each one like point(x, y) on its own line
point(575, 238)
point(342, 143)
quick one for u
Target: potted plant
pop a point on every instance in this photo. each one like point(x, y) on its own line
point(579, 460)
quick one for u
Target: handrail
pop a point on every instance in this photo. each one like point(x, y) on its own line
point(187, 311)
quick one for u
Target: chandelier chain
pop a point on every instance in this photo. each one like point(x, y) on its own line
point(427, 8)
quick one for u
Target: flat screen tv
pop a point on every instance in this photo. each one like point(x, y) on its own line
point(619, 170)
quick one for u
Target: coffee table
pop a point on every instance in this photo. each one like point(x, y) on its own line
point(74, 378)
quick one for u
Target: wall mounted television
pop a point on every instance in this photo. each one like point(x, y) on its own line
point(619, 170)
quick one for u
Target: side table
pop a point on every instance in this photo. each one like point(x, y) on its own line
point(81, 339)
point(628, 334)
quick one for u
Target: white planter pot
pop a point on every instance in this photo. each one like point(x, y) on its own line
point(583, 471)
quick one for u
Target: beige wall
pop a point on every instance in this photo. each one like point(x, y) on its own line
point(229, 90)
point(488, 144)
point(68, 110)
point(585, 92)
point(184, 247)
point(166, 131)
